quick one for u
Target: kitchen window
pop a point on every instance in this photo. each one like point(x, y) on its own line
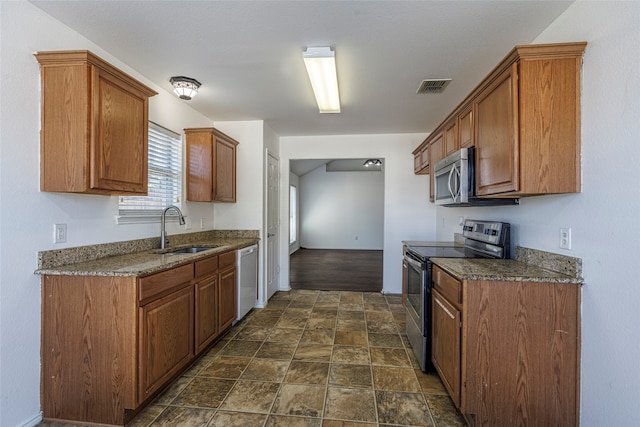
point(165, 173)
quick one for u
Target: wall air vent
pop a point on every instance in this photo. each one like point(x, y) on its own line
point(433, 86)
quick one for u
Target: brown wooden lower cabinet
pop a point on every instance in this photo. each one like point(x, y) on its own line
point(445, 350)
point(111, 344)
point(514, 355)
point(166, 339)
point(207, 289)
point(228, 290)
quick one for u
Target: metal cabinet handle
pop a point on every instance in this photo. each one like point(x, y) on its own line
point(445, 309)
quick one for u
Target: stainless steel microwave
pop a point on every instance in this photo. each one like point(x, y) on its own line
point(455, 182)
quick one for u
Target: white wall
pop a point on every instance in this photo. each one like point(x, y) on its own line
point(342, 210)
point(604, 216)
point(407, 213)
point(247, 213)
point(28, 215)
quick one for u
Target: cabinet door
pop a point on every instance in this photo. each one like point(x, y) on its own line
point(465, 128)
point(166, 339)
point(421, 161)
point(445, 344)
point(417, 162)
point(424, 157)
point(451, 142)
point(206, 311)
point(224, 171)
point(199, 166)
point(119, 136)
point(496, 136)
point(227, 298)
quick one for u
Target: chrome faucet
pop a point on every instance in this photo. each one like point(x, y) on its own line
point(163, 233)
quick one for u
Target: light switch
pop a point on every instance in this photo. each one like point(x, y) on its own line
point(565, 237)
point(59, 233)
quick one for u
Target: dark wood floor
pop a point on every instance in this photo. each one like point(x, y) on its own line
point(336, 270)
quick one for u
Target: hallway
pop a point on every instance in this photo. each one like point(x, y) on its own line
point(336, 270)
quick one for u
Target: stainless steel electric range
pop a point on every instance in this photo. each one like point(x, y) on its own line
point(483, 239)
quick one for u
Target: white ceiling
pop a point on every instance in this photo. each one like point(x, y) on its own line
point(248, 54)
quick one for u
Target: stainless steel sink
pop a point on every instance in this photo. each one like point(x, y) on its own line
point(191, 250)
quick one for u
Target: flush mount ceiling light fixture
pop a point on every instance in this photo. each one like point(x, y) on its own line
point(185, 87)
point(372, 162)
point(321, 67)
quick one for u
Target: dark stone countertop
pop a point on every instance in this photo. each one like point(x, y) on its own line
point(501, 270)
point(136, 263)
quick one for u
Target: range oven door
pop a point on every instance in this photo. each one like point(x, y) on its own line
point(417, 323)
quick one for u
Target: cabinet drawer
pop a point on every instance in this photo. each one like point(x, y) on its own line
point(206, 266)
point(448, 286)
point(227, 259)
point(158, 284)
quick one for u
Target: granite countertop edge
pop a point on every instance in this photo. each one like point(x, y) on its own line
point(501, 270)
point(147, 262)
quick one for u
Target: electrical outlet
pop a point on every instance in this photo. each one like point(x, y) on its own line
point(59, 233)
point(461, 220)
point(201, 223)
point(565, 238)
point(187, 224)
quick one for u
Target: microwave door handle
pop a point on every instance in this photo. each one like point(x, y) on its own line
point(449, 182)
point(458, 178)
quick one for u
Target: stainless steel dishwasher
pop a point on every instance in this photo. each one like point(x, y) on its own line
point(247, 279)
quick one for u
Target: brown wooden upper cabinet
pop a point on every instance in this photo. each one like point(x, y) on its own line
point(421, 159)
point(211, 165)
point(524, 121)
point(436, 153)
point(528, 123)
point(93, 136)
point(451, 141)
point(465, 127)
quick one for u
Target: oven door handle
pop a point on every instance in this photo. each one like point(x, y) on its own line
point(413, 263)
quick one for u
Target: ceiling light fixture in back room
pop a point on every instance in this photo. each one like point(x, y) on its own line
point(321, 67)
point(372, 162)
point(185, 87)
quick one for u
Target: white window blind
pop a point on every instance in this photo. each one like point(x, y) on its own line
point(165, 172)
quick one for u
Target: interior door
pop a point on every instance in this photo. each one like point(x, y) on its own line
point(273, 224)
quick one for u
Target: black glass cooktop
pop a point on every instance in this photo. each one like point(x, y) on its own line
point(425, 252)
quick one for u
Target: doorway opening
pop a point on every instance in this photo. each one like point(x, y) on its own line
point(340, 224)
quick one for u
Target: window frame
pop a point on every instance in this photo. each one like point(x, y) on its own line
point(293, 214)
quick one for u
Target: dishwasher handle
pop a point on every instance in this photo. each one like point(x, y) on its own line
point(249, 250)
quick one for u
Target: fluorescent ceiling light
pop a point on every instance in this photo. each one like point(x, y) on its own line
point(321, 67)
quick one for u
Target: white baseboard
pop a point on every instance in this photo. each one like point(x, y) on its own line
point(32, 421)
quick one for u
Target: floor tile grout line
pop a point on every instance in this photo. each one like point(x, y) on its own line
point(372, 304)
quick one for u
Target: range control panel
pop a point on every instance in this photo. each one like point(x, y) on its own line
point(496, 233)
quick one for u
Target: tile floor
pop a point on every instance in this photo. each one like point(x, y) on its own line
point(309, 359)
